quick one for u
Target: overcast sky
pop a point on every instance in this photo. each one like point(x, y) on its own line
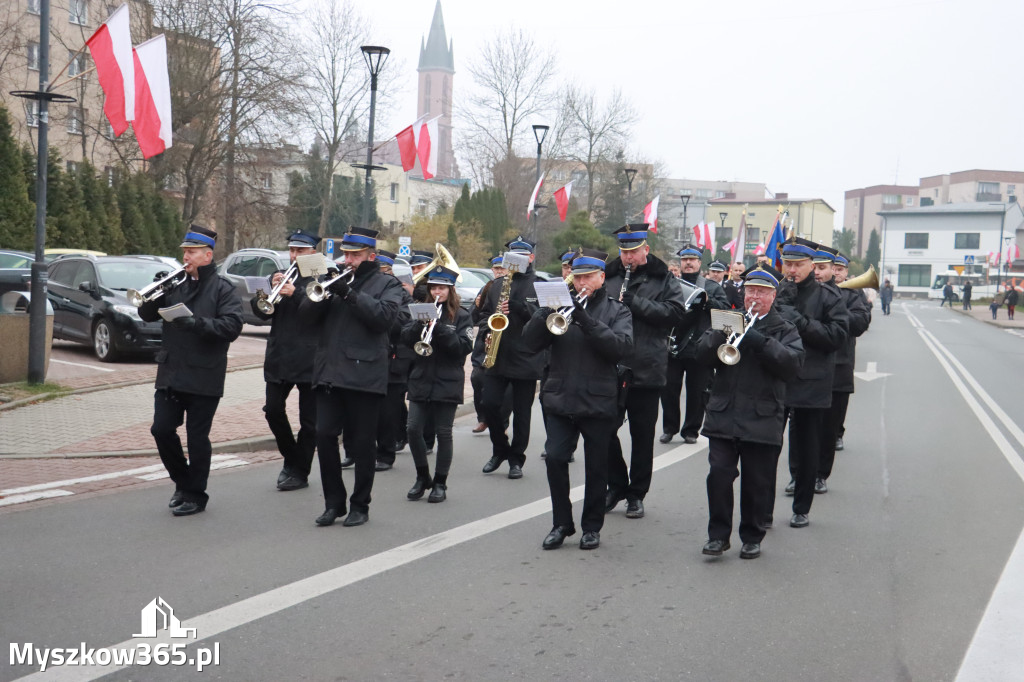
point(812, 98)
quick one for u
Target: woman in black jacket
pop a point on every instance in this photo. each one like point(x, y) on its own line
point(437, 382)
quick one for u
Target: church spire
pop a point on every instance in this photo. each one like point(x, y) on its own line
point(437, 53)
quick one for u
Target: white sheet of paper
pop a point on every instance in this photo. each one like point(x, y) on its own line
point(720, 319)
point(515, 262)
point(553, 294)
point(424, 312)
point(254, 284)
point(175, 311)
point(313, 264)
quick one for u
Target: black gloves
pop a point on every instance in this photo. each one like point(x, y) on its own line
point(754, 339)
point(340, 288)
point(184, 323)
point(581, 317)
point(543, 313)
point(793, 315)
point(627, 298)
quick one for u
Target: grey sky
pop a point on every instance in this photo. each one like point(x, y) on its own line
point(810, 97)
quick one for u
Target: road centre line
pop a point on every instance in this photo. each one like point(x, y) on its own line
point(32, 497)
point(79, 364)
point(259, 606)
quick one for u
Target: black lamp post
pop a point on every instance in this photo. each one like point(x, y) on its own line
point(630, 174)
point(685, 197)
point(1002, 225)
point(540, 131)
point(375, 57)
point(722, 216)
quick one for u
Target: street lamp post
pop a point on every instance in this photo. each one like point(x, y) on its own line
point(630, 174)
point(375, 57)
point(684, 196)
point(540, 131)
point(1002, 224)
point(722, 216)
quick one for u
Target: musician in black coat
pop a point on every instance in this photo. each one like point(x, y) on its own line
point(350, 372)
point(746, 414)
point(191, 365)
point(656, 301)
point(682, 361)
point(391, 433)
point(821, 317)
point(476, 358)
point(515, 366)
point(288, 364)
point(437, 381)
point(580, 395)
point(842, 382)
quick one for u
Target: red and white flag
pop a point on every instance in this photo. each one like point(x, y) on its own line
point(562, 201)
point(651, 214)
point(741, 238)
point(152, 122)
point(426, 147)
point(407, 147)
point(1012, 252)
point(993, 258)
point(704, 235)
point(760, 249)
point(111, 50)
point(731, 248)
point(533, 197)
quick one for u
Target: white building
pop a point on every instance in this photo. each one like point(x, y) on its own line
point(920, 243)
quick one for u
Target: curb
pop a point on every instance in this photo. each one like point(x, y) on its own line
point(992, 323)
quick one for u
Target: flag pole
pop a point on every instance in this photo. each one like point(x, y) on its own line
point(61, 72)
point(73, 78)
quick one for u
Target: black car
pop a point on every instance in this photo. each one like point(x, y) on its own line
point(88, 295)
point(15, 270)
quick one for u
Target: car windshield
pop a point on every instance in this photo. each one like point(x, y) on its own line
point(131, 275)
point(472, 279)
point(13, 260)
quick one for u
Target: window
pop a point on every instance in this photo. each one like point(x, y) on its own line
point(33, 56)
point(988, 188)
point(106, 130)
point(1011, 190)
point(75, 117)
point(915, 240)
point(967, 240)
point(78, 11)
point(702, 194)
point(720, 193)
point(246, 266)
point(909, 201)
point(76, 64)
point(426, 95)
point(394, 192)
point(33, 6)
point(915, 276)
point(65, 273)
point(892, 199)
point(32, 113)
point(422, 206)
point(266, 180)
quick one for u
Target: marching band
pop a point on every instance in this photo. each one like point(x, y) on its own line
point(757, 351)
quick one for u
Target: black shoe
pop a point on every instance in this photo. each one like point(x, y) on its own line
point(281, 476)
point(187, 508)
point(750, 550)
point(557, 536)
point(355, 518)
point(438, 493)
point(634, 509)
point(418, 488)
point(611, 500)
point(820, 487)
point(590, 540)
point(766, 524)
point(381, 466)
point(544, 455)
point(839, 443)
point(492, 465)
point(791, 488)
point(347, 462)
point(666, 438)
point(328, 517)
point(480, 427)
point(572, 458)
point(176, 499)
point(400, 445)
point(293, 483)
point(799, 521)
point(715, 547)
point(690, 440)
point(515, 471)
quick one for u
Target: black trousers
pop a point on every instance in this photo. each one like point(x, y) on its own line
point(753, 463)
point(355, 413)
point(297, 452)
point(642, 410)
point(563, 435)
point(476, 378)
point(833, 429)
point(441, 416)
point(170, 409)
point(391, 424)
point(697, 378)
point(806, 425)
point(523, 392)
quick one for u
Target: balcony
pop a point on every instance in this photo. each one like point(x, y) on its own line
point(988, 196)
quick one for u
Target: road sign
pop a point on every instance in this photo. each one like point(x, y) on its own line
point(405, 247)
point(329, 248)
point(968, 260)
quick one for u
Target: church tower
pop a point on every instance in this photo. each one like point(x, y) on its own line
point(436, 72)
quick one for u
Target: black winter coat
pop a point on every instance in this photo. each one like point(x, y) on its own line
point(352, 349)
point(846, 357)
point(734, 293)
point(441, 376)
point(658, 305)
point(583, 378)
point(820, 315)
point(292, 341)
point(700, 320)
point(195, 360)
point(400, 356)
point(514, 361)
point(748, 399)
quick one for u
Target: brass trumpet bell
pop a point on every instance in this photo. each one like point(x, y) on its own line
point(868, 280)
point(442, 257)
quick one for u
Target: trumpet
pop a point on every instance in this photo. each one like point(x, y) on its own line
point(157, 289)
point(558, 322)
point(729, 352)
point(266, 303)
point(423, 347)
point(318, 291)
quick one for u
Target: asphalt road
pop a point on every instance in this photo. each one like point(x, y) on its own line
point(890, 581)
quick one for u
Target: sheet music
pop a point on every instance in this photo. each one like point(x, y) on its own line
point(313, 264)
point(254, 284)
point(553, 295)
point(515, 262)
point(720, 319)
point(175, 311)
point(424, 312)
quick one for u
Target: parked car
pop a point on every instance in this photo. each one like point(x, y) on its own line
point(15, 270)
point(483, 272)
point(50, 255)
point(90, 304)
point(252, 263)
point(470, 286)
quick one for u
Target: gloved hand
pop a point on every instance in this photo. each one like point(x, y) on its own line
point(754, 339)
point(793, 315)
point(184, 323)
point(627, 298)
point(581, 317)
point(340, 288)
point(543, 313)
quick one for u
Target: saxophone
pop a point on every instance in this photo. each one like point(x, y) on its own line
point(497, 323)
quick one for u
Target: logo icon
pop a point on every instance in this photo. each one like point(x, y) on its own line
point(159, 615)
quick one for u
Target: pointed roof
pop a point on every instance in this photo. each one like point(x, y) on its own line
point(437, 54)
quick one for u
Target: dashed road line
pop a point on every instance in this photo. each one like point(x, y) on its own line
point(32, 497)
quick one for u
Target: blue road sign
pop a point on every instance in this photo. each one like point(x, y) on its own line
point(968, 260)
point(404, 251)
point(329, 247)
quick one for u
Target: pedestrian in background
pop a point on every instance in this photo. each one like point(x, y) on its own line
point(1011, 300)
point(886, 296)
point(968, 288)
point(947, 295)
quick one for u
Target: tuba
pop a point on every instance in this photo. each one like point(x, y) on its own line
point(867, 280)
point(441, 257)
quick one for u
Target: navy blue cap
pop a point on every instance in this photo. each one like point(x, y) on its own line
point(842, 260)
point(421, 257)
point(690, 250)
point(588, 260)
point(496, 261)
point(568, 256)
point(521, 245)
point(359, 238)
point(442, 275)
point(199, 237)
point(825, 254)
point(762, 276)
point(798, 248)
point(301, 240)
point(717, 266)
point(385, 257)
point(632, 236)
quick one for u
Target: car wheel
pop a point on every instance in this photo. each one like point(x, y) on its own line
point(103, 342)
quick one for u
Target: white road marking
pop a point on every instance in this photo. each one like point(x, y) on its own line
point(235, 615)
point(32, 497)
point(872, 373)
point(80, 364)
point(226, 464)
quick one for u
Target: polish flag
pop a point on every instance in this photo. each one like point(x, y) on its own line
point(407, 147)
point(651, 214)
point(704, 235)
point(731, 248)
point(562, 201)
point(1012, 252)
point(152, 122)
point(426, 148)
point(111, 50)
point(760, 249)
point(533, 197)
